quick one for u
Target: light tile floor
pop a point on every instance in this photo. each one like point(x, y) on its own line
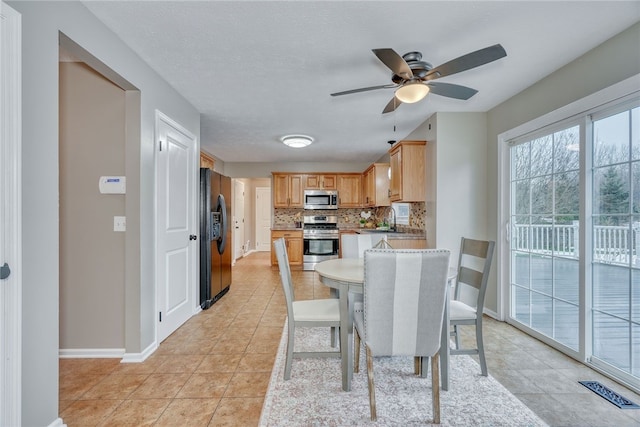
point(215, 369)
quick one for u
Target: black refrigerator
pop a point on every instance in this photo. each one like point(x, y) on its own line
point(215, 236)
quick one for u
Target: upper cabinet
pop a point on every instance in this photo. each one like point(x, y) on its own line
point(287, 190)
point(375, 183)
point(206, 161)
point(324, 182)
point(408, 171)
point(349, 188)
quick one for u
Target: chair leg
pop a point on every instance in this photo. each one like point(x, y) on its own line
point(289, 359)
point(417, 365)
point(435, 387)
point(480, 344)
point(356, 352)
point(372, 390)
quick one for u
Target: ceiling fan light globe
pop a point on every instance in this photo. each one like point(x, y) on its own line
point(412, 92)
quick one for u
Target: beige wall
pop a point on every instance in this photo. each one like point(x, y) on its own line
point(92, 255)
point(456, 159)
point(43, 27)
point(619, 56)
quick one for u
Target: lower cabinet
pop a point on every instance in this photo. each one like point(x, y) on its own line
point(340, 245)
point(295, 247)
point(408, 243)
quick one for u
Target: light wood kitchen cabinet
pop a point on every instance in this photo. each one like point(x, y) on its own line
point(408, 243)
point(322, 182)
point(294, 243)
point(206, 161)
point(376, 185)
point(349, 188)
point(287, 190)
point(408, 171)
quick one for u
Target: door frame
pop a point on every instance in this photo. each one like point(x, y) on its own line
point(238, 230)
point(11, 204)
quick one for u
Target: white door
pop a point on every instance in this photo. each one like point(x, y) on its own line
point(238, 219)
point(176, 192)
point(263, 219)
point(10, 224)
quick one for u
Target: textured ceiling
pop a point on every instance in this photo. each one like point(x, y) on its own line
point(260, 70)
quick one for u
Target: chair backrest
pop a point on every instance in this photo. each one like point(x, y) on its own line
point(404, 298)
point(280, 247)
point(354, 245)
point(474, 263)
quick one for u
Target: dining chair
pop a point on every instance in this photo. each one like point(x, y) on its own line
point(403, 307)
point(303, 313)
point(474, 263)
point(354, 245)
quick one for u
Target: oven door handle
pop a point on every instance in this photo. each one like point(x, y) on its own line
point(320, 237)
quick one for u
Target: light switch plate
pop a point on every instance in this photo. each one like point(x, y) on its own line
point(119, 223)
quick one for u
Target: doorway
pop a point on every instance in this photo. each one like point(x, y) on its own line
point(83, 80)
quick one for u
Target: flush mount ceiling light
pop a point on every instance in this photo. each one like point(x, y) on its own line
point(412, 92)
point(296, 141)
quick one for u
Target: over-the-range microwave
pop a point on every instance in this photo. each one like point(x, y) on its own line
point(320, 199)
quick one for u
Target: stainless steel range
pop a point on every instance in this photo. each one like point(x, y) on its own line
point(321, 239)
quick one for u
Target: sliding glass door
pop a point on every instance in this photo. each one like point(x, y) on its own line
point(581, 297)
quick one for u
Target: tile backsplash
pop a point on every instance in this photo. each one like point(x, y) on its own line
point(350, 217)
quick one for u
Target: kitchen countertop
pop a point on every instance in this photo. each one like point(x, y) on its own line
point(390, 234)
point(394, 235)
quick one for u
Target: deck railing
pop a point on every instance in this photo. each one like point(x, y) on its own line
point(611, 244)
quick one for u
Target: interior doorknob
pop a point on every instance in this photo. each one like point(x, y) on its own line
point(193, 237)
point(5, 271)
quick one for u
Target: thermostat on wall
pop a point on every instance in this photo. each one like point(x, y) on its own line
point(112, 184)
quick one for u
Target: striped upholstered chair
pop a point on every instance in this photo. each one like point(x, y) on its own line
point(404, 298)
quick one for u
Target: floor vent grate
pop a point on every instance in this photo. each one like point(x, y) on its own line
point(610, 395)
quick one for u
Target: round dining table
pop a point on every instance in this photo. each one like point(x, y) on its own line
point(346, 275)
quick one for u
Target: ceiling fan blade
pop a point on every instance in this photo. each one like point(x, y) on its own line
point(452, 91)
point(392, 105)
point(363, 89)
point(391, 59)
point(467, 62)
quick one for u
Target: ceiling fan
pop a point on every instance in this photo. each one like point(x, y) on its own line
point(413, 78)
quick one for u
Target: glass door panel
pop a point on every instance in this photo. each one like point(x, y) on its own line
point(615, 295)
point(544, 245)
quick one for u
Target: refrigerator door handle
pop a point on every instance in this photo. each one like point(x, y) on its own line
point(222, 209)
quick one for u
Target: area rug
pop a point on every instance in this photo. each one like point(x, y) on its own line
point(314, 397)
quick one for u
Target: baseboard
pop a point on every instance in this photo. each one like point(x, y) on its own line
point(91, 353)
point(57, 423)
point(140, 357)
point(491, 313)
